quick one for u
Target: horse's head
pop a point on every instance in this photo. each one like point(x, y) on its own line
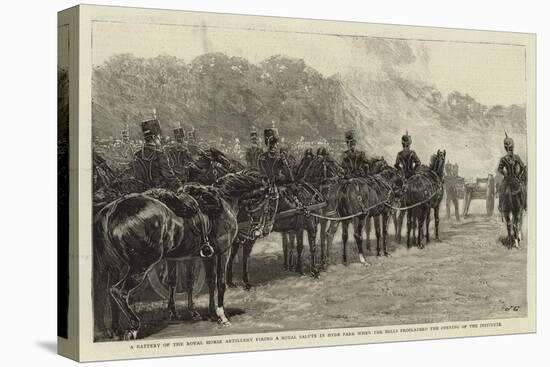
point(393, 176)
point(437, 162)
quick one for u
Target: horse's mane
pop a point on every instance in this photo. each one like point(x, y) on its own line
point(236, 184)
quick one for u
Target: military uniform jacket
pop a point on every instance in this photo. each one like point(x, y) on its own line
point(407, 162)
point(274, 167)
point(512, 167)
point(355, 164)
point(179, 157)
point(151, 167)
point(252, 156)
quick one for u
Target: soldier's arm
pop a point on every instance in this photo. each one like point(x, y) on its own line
point(416, 160)
point(167, 173)
point(397, 162)
point(501, 167)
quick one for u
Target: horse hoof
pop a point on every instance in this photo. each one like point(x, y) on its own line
point(387, 254)
point(247, 286)
point(130, 335)
point(231, 285)
point(195, 316)
point(224, 323)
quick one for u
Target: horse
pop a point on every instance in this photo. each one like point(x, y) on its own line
point(422, 192)
point(324, 173)
point(452, 184)
point(135, 232)
point(512, 205)
point(287, 216)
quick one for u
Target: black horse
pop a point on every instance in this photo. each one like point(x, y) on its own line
point(137, 231)
point(210, 165)
point(287, 216)
point(422, 192)
point(512, 204)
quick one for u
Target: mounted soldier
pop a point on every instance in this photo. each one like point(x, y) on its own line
point(179, 154)
point(254, 151)
point(354, 161)
point(193, 145)
point(151, 165)
point(273, 163)
point(514, 171)
point(407, 161)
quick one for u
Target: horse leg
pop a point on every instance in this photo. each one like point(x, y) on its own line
point(420, 221)
point(428, 225)
point(367, 231)
point(285, 251)
point(172, 279)
point(333, 227)
point(291, 248)
point(121, 291)
point(515, 227)
point(436, 220)
point(399, 226)
point(311, 226)
point(247, 249)
point(220, 280)
point(385, 223)
point(345, 226)
point(210, 270)
point(358, 231)
point(376, 220)
point(190, 283)
point(234, 251)
point(323, 236)
point(509, 229)
point(409, 227)
point(299, 250)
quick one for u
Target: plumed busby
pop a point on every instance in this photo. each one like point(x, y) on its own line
point(271, 135)
point(508, 142)
point(350, 136)
point(179, 134)
point(151, 127)
point(406, 139)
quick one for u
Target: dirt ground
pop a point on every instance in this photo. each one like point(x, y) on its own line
point(468, 275)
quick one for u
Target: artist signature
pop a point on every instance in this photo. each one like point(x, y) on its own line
point(511, 308)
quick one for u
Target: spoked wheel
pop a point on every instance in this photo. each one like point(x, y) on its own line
point(157, 280)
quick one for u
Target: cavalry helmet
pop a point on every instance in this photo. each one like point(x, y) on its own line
point(179, 134)
point(151, 127)
point(271, 135)
point(350, 136)
point(406, 139)
point(508, 143)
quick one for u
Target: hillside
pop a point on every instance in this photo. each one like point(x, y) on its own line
point(224, 96)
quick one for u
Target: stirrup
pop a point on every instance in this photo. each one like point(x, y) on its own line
point(206, 250)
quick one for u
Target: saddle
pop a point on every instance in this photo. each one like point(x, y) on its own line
point(182, 205)
point(207, 197)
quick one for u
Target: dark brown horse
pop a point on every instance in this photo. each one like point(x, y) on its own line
point(289, 217)
point(422, 192)
point(137, 231)
point(512, 205)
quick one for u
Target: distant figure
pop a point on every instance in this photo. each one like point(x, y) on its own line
point(254, 151)
point(354, 162)
point(150, 164)
point(451, 189)
point(407, 161)
point(179, 154)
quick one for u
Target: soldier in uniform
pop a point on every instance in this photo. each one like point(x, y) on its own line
point(192, 145)
point(150, 164)
point(179, 154)
point(254, 151)
point(274, 163)
point(407, 161)
point(512, 168)
point(354, 162)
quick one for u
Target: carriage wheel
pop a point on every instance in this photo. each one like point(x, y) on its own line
point(159, 285)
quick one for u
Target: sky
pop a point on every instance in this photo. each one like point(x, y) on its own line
point(491, 73)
